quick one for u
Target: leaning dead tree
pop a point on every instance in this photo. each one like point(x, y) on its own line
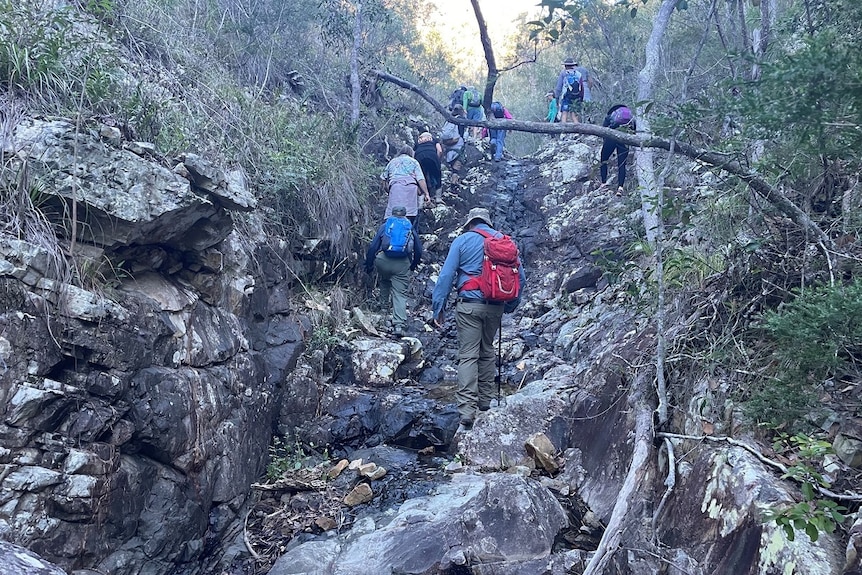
point(722, 161)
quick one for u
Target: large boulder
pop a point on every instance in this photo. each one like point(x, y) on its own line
point(121, 197)
point(495, 520)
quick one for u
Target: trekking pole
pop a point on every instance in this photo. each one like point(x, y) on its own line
point(499, 376)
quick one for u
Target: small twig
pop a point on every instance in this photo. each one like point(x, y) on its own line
point(762, 458)
point(522, 380)
point(659, 557)
point(828, 262)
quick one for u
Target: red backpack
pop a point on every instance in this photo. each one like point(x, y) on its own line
point(499, 279)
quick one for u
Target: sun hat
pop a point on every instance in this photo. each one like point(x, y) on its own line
point(399, 211)
point(425, 137)
point(570, 62)
point(478, 214)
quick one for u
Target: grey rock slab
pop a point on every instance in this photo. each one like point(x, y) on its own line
point(478, 519)
point(123, 198)
point(15, 560)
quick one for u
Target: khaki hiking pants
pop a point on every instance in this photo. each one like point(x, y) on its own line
point(477, 325)
point(394, 281)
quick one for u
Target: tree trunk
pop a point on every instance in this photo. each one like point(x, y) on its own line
point(355, 88)
point(644, 158)
point(490, 60)
point(635, 489)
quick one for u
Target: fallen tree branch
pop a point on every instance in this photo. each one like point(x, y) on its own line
point(245, 538)
point(291, 484)
point(762, 458)
point(632, 486)
point(716, 159)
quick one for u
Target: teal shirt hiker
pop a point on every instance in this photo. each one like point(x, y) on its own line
point(552, 111)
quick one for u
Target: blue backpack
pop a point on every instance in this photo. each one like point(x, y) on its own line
point(573, 86)
point(497, 110)
point(397, 237)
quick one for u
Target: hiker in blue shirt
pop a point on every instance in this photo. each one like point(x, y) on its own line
point(587, 81)
point(477, 319)
point(472, 103)
point(394, 267)
point(498, 137)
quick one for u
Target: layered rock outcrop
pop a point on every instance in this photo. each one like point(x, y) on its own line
point(135, 414)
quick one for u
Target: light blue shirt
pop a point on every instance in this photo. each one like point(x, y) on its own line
point(464, 261)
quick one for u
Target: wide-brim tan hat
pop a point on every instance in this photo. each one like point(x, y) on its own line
point(570, 62)
point(425, 137)
point(478, 214)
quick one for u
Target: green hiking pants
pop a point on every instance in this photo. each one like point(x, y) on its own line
point(394, 277)
point(477, 325)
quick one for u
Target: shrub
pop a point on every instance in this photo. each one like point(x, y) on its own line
point(51, 55)
point(814, 337)
point(813, 514)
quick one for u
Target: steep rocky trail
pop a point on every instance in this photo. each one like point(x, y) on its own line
point(531, 488)
point(412, 440)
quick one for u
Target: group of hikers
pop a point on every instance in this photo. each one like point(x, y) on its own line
point(570, 101)
point(466, 101)
point(482, 263)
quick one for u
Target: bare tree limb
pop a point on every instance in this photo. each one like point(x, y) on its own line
point(715, 159)
point(669, 483)
point(490, 60)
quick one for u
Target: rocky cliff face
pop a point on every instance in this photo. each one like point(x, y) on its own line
point(135, 414)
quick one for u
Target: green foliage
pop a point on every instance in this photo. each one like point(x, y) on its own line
point(301, 157)
point(102, 9)
point(686, 267)
point(813, 515)
point(284, 457)
point(322, 338)
point(819, 332)
point(51, 58)
point(814, 337)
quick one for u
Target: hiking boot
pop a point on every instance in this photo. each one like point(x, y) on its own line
point(398, 331)
point(620, 191)
point(465, 425)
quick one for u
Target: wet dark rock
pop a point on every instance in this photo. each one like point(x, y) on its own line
point(586, 276)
